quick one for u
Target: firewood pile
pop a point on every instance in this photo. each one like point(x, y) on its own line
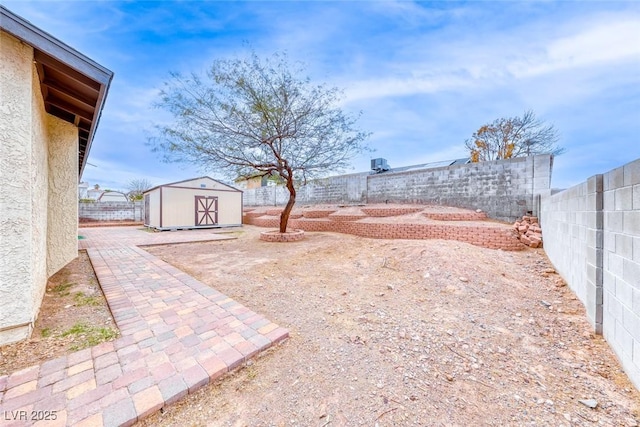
point(529, 231)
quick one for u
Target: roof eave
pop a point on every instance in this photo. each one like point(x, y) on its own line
point(48, 44)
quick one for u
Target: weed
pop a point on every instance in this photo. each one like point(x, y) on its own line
point(81, 299)
point(46, 332)
point(89, 335)
point(251, 372)
point(62, 290)
point(77, 329)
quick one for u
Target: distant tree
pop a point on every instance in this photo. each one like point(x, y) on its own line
point(256, 115)
point(136, 187)
point(506, 138)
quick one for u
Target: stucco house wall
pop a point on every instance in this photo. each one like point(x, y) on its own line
point(39, 171)
point(62, 243)
point(15, 174)
point(39, 166)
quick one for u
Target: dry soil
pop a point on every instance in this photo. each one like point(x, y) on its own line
point(403, 333)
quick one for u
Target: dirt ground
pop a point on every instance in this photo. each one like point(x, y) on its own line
point(403, 333)
point(383, 333)
point(73, 315)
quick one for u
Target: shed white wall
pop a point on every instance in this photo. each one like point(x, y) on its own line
point(178, 206)
point(154, 208)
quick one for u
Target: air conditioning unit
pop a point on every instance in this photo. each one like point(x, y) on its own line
point(379, 165)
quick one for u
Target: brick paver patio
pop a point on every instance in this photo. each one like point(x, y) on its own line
point(177, 335)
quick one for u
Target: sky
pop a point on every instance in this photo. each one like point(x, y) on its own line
point(423, 75)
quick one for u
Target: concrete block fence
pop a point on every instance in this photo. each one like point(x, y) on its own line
point(110, 211)
point(504, 189)
point(592, 236)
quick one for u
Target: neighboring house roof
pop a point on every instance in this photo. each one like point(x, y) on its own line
point(261, 179)
point(189, 180)
point(93, 193)
point(431, 165)
point(113, 196)
point(74, 87)
point(256, 175)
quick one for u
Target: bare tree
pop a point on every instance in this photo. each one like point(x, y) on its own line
point(506, 138)
point(257, 115)
point(136, 187)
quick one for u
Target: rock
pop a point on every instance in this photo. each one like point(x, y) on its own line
point(591, 403)
point(464, 279)
point(479, 210)
point(631, 422)
point(322, 412)
point(390, 287)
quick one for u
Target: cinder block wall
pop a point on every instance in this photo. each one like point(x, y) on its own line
point(111, 211)
point(592, 236)
point(504, 189)
point(571, 226)
point(621, 265)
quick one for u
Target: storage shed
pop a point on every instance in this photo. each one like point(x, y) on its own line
point(194, 203)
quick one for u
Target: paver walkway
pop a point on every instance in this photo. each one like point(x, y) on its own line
point(177, 335)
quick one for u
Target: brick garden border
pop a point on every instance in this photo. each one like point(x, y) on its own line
point(277, 236)
point(448, 226)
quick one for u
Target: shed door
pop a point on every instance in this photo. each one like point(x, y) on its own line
point(146, 209)
point(206, 210)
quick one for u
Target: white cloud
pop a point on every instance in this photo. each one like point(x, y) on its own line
point(505, 59)
point(398, 86)
point(603, 45)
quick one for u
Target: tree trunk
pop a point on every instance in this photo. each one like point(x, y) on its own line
point(284, 216)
